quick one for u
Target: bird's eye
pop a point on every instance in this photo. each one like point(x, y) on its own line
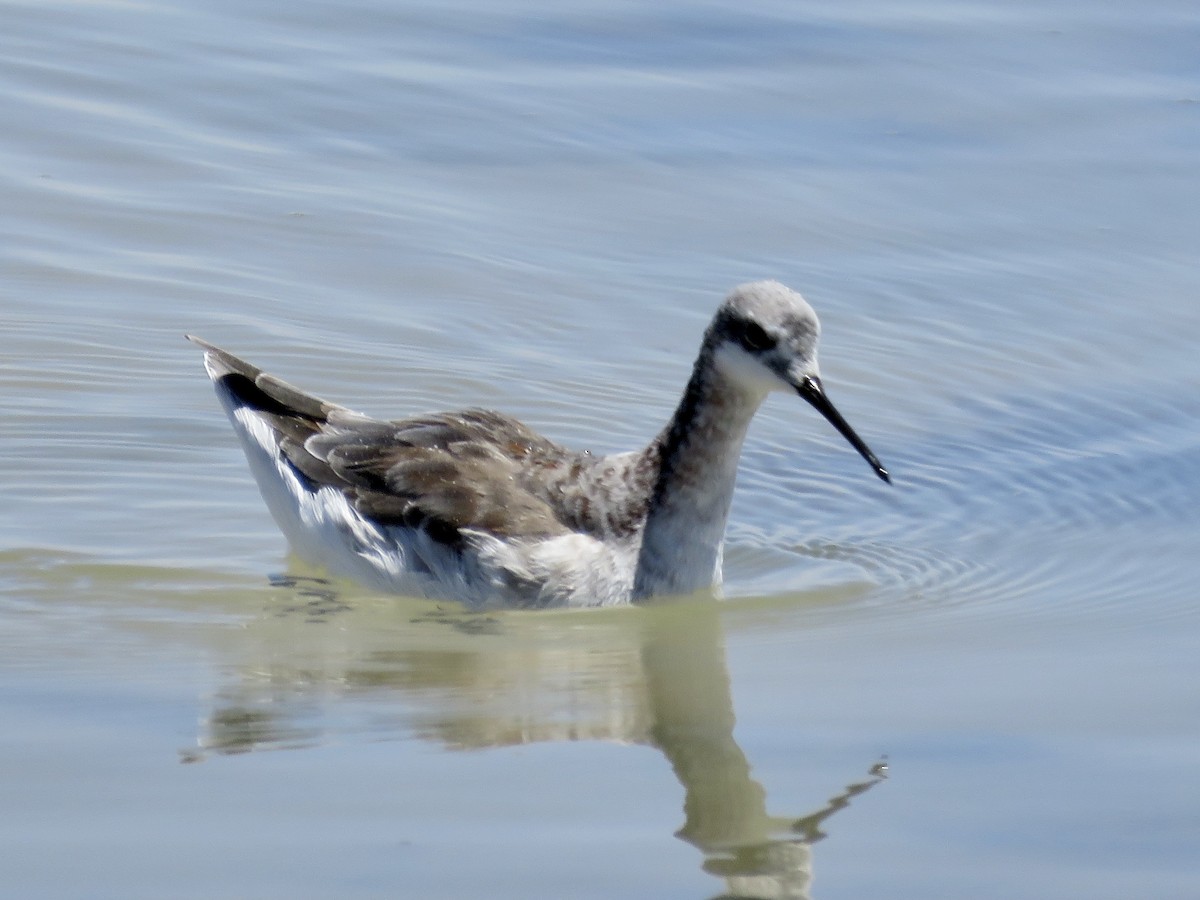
point(755, 338)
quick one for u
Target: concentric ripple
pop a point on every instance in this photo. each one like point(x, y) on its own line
point(1058, 505)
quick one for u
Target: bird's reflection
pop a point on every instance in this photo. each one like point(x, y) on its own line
point(321, 664)
point(757, 854)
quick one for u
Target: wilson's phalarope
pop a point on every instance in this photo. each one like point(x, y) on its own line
point(475, 506)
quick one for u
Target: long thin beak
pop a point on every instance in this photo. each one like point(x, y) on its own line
point(812, 391)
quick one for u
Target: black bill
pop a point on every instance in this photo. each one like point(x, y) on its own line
point(812, 391)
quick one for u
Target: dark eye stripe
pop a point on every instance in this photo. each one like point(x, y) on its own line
point(754, 338)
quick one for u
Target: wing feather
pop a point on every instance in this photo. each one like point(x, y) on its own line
point(449, 473)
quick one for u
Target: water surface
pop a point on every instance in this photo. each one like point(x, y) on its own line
point(979, 682)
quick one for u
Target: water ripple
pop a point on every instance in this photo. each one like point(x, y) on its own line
point(1064, 504)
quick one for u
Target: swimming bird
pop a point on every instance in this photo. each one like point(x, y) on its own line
point(478, 507)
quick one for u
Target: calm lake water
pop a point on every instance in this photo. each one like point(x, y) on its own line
point(983, 681)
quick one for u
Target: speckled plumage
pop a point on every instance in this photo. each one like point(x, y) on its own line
point(475, 506)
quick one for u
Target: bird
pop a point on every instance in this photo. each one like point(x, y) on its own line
point(477, 507)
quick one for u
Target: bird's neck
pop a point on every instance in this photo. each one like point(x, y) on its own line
point(698, 451)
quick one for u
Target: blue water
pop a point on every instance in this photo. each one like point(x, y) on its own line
point(993, 207)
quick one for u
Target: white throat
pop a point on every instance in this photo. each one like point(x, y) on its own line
point(684, 536)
